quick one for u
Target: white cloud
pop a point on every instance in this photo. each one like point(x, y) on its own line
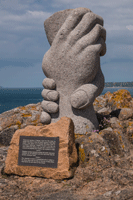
point(39, 14)
point(130, 27)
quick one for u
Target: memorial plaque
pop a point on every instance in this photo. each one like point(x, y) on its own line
point(38, 151)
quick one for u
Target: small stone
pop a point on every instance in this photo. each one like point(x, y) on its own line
point(104, 111)
point(103, 148)
point(95, 153)
point(107, 194)
point(118, 192)
point(108, 129)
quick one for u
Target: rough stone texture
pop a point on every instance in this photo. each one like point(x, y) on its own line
point(54, 23)
point(67, 155)
point(105, 163)
point(77, 40)
point(117, 100)
point(129, 126)
point(126, 113)
point(116, 141)
point(18, 118)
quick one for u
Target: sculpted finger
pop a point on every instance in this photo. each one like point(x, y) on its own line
point(50, 95)
point(98, 48)
point(49, 83)
point(101, 46)
point(45, 118)
point(82, 97)
point(79, 99)
point(103, 51)
point(71, 22)
point(49, 106)
point(85, 26)
point(92, 37)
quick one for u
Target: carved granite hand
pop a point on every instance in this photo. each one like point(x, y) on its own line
point(74, 57)
point(80, 99)
point(73, 62)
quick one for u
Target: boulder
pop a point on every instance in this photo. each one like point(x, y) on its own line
point(117, 100)
point(93, 153)
point(18, 118)
point(126, 113)
point(130, 131)
point(116, 123)
point(67, 155)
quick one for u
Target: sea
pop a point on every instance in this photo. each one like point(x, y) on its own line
point(14, 97)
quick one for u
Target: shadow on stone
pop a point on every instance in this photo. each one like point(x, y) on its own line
point(115, 113)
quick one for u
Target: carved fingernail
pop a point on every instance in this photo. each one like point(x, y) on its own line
point(53, 95)
point(49, 84)
point(79, 99)
point(50, 107)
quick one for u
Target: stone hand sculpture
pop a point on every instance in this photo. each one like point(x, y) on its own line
point(72, 67)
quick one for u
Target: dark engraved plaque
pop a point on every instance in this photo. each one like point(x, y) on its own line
point(38, 151)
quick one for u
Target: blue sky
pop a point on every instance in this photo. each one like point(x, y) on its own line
point(23, 41)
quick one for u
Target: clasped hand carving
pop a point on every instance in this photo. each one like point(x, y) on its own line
point(72, 64)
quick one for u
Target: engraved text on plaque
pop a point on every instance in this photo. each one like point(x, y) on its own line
point(38, 151)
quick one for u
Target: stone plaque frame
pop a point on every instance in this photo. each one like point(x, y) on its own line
point(38, 151)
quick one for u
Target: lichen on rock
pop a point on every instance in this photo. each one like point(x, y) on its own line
point(105, 157)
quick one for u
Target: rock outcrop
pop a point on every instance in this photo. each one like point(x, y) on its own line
point(119, 99)
point(18, 118)
point(105, 157)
